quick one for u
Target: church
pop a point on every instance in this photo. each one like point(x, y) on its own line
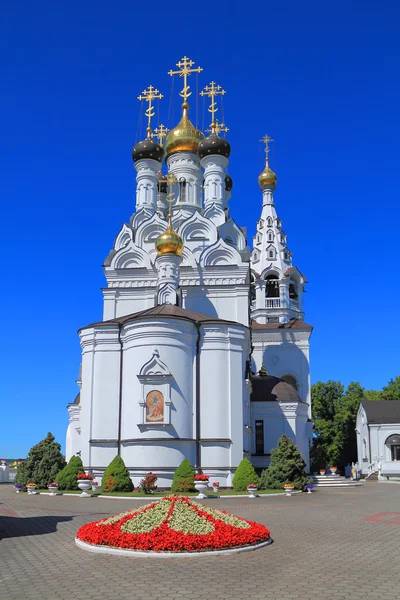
point(203, 352)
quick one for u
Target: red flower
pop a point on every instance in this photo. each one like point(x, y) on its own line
point(165, 539)
point(83, 476)
point(201, 477)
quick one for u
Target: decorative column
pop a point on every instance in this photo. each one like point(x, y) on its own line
point(162, 202)
point(146, 183)
point(214, 180)
point(168, 270)
point(284, 292)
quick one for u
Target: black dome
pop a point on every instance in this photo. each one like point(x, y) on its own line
point(228, 183)
point(214, 145)
point(266, 388)
point(147, 148)
point(162, 184)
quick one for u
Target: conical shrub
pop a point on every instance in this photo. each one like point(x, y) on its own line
point(66, 478)
point(116, 477)
point(184, 478)
point(287, 466)
point(244, 475)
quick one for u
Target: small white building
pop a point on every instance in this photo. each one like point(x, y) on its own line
point(378, 438)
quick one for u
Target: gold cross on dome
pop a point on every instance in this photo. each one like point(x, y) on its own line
point(211, 91)
point(219, 128)
point(185, 68)
point(266, 139)
point(148, 96)
point(171, 179)
point(161, 132)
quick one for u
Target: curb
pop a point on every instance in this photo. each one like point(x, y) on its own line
point(141, 554)
point(155, 499)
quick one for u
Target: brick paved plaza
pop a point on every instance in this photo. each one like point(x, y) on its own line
point(332, 544)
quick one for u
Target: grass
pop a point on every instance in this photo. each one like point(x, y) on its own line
point(165, 493)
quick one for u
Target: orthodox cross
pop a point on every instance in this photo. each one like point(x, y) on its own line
point(171, 179)
point(161, 132)
point(148, 96)
point(219, 128)
point(185, 68)
point(266, 139)
point(211, 91)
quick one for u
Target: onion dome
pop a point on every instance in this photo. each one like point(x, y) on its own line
point(162, 184)
point(267, 177)
point(184, 137)
point(148, 148)
point(175, 525)
point(213, 144)
point(169, 242)
point(228, 183)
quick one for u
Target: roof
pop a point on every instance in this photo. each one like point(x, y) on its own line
point(165, 311)
point(76, 401)
point(267, 388)
point(382, 411)
point(292, 324)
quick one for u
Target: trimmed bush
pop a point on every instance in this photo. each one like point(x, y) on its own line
point(66, 478)
point(116, 477)
point(184, 478)
point(43, 463)
point(287, 466)
point(245, 474)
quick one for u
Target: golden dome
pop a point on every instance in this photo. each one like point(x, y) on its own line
point(169, 242)
point(267, 177)
point(184, 137)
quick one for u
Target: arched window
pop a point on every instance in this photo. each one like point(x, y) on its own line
point(293, 295)
point(393, 443)
point(364, 449)
point(272, 286)
point(291, 381)
point(270, 236)
point(252, 289)
point(269, 222)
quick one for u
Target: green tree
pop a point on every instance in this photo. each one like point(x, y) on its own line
point(183, 478)
point(345, 421)
point(66, 478)
point(391, 391)
point(244, 475)
point(325, 401)
point(287, 466)
point(116, 477)
point(43, 463)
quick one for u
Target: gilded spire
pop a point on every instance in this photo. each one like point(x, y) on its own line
point(267, 177)
point(212, 91)
point(148, 96)
point(170, 242)
point(184, 137)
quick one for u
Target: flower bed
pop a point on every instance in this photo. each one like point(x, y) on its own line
point(174, 524)
point(84, 477)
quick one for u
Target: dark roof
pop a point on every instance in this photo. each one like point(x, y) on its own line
point(267, 388)
point(164, 311)
point(292, 324)
point(77, 400)
point(382, 411)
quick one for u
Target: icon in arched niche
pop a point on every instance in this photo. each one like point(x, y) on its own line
point(154, 407)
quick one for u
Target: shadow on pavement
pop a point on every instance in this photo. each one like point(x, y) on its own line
point(11, 527)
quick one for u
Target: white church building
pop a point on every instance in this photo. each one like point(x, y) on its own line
point(203, 352)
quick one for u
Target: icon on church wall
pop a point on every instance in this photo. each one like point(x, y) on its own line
point(154, 407)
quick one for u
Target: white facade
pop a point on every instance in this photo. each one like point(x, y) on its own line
point(176, 334)
point(378, 442)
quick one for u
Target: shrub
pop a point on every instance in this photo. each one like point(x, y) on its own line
point(184, 478)
point(66, 478)
point(116, 477)
point(287, 466)
point(148, 484)
point(245, 474)
point(43, 463)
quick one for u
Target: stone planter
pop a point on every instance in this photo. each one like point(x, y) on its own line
point(95, 488)
point(31, 489)
point(289, 490)
point(252, 492)
point(215, 489)
point(333, 470)
point(309, 489)
point(201, 486)
point(322, 472)
point(84, 485)
point(53, 490)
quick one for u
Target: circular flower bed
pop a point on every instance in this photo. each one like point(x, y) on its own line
point(174, 524)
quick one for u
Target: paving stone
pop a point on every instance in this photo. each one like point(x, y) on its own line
point(323, 548)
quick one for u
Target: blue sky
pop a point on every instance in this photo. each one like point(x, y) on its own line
point(321, 78)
